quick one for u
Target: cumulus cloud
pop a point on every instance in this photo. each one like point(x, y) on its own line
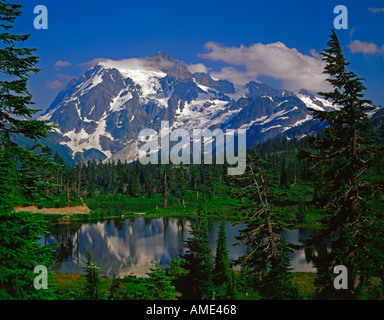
point(55, 84)
point(62, 64)
point(91, 63)
point(357, 46)
point(129, 64)
point(276, 60)
point(198, 67)
point(367, 48)
point(233, 75)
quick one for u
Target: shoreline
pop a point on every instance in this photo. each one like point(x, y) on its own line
point(55, 211)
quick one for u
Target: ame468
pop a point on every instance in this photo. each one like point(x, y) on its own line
point(213, 309)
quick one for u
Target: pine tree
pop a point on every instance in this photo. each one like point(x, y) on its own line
point(149, 185)
point(133, 185)
point(344, 154)
point(301, 215)
point(198, 259)
point(165, 187)
point(181, 184)
point(160, 286)
point(209, 181)
point(267, 261)
point(221, 271)
point(20, 251)
point(115, 291)
point(17, 64)
point(284, 176)
point(91, 289)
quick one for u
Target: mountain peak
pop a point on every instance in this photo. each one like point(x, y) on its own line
point(100, 115)
point(163, 56)
point(304, 92)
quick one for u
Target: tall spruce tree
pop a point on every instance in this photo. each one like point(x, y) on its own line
point(198, 259)
point(284, 176)
point(91, 288)
point(221, 271)
point(267, 260)
point(344, 154)
point(20, 251)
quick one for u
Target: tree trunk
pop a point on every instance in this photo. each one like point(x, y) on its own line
point(165, 189)
point(68, 194)
point(78, 183)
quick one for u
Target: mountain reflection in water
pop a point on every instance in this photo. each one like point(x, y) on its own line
point(132, 245)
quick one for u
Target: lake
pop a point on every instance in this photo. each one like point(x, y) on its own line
point(132, 245)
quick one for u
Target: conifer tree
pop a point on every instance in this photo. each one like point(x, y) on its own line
point(221, 271)
point(16, 115)
point(344, 154)
point(115, 291)
point(91, 288)
point(165, 187)
point(284, 176)
point(148, 184)
point(20, 251)
point(209, 181)
point(160, 286)
point(267, 260)
point(198, 259)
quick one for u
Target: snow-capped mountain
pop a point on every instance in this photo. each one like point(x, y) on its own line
point(101, 114)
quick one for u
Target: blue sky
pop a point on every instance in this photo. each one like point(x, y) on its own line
point(238, 40)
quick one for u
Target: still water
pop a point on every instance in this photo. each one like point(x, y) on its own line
point(132, 245)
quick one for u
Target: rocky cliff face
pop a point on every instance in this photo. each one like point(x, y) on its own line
point(100, 114)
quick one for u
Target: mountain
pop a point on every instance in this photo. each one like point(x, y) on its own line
point(101, 114)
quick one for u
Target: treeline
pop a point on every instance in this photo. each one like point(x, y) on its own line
point(135, 179)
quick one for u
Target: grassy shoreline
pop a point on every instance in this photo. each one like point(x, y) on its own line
point(69, 285)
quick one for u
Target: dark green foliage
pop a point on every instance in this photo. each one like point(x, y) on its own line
point(18, 64)
point(91, 290)
point(8, 179)
point(284, 177)
point(301, 216)
point(115, 291)
point(20, 253)
point(344, 157)
point(23, 170)
point(222, 270)
point(148, 185)
point(159, 284)
point(198, 261)
point(223, 274)
point(266, 262)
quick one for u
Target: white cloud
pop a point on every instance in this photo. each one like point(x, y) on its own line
point(276, 60)
point(91, 63)
point(128, 64)
point(55, 84)
point(233, 75)
point(357, 46)
point(62, 64)
point(198, 67)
